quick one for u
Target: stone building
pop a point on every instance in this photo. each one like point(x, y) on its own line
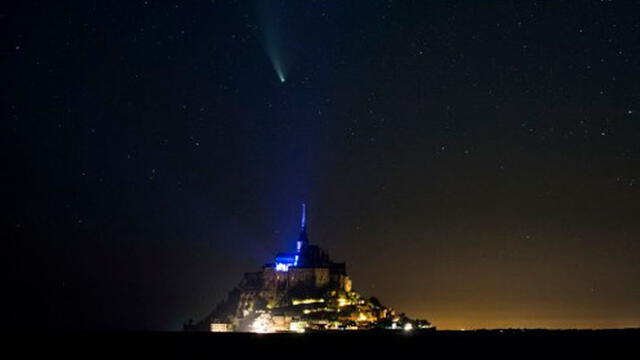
point(300, 290)
point(308, 267)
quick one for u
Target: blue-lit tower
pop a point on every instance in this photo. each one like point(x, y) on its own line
point(303, 239)
point(286, 260)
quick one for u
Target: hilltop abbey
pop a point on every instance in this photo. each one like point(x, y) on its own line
point(299, 291)
point(309, 267)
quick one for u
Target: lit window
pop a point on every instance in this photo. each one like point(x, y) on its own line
point(282, 267)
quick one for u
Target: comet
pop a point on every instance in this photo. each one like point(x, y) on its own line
point(274, 37)
point(274, 56)
point(280, 74)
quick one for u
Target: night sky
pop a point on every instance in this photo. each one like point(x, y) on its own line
point(475, 163)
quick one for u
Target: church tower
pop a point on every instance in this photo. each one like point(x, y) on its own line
point(303, 239)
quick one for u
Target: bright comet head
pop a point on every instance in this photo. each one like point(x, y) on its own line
point(279, 71)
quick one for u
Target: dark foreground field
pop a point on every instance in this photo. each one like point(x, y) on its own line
point(507, 343)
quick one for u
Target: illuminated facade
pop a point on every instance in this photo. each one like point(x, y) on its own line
point(220, 327)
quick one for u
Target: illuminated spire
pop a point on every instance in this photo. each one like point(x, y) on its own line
point(302, 239)
point(303, 221)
